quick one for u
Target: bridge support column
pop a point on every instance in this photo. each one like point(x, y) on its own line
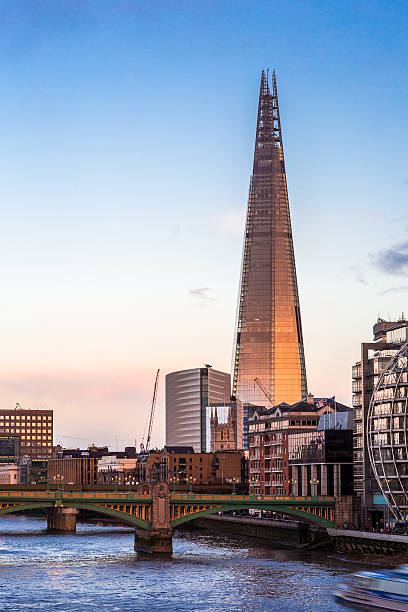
point(62, 519)
point(324, 490)
point(304, 480)
point(158, 539)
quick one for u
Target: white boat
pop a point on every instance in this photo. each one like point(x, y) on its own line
point(382, 590)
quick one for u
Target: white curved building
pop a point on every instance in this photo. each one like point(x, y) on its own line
point(188, 393)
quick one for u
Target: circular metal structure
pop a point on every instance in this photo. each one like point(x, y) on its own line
point(387, 433)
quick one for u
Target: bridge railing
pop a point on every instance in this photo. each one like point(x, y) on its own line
point(276, 498)
point(75, 495)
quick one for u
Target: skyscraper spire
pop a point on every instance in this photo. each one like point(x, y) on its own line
point(268, 342)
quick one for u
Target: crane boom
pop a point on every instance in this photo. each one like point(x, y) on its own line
point(152, 409)
point(266, 393)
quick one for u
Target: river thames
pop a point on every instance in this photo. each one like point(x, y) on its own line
point(97, 569)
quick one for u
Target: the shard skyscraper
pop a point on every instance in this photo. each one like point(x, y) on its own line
point(269, 356)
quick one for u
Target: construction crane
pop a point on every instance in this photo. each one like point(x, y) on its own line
point(266, 393)
point(149, 424)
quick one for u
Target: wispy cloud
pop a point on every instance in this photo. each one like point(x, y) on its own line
point(393, 260)
point(358, 275)
point(202, 294)
point(400, 289)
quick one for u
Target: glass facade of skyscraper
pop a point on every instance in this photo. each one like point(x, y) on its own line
point(268, 342)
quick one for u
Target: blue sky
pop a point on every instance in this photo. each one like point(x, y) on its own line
point(127, 133)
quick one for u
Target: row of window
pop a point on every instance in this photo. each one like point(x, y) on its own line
point(36, 437)
point(23, 431)
point(37, 444)
point(24, 418)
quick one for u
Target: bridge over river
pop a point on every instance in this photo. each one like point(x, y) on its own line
point(154, 511)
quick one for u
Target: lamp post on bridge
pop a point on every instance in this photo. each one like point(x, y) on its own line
point(234, 485)
point(174, 481)
point(191, 480)
point(59, 480)
point(131, 481)
point(313, 485)
point(293, 483)
point(254, 482)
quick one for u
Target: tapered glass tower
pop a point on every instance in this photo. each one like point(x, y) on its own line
point(269, 364)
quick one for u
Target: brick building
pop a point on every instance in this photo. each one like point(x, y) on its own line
point(180, 465)
point(269, 472)
point(75, 466)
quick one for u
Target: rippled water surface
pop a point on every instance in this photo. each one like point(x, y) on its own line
point(97, 569)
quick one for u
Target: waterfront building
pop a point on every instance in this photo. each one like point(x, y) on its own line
point(9, 449)
point(34, 428)
point(73, 471)
point(268, 339)
point(9, 474)
point(180, 466)
point(114, 469)
point(321, 461)
point(72, 466)
point(386, 441)
point(33, 470)
point(269, 472)
point(375, 355)
point(188, 393)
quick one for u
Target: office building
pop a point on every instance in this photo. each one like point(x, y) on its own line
point(268, 339)
point(34, 428)
point(188, 393)
point(9, 449)
point(375, 355)
point(321, 461)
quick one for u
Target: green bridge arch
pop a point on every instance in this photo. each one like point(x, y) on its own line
point(123, 517)
point(304, 516)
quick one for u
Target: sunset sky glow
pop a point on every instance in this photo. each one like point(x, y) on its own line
point(127, 132)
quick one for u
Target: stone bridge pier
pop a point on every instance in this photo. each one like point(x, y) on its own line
point(61, 519)
point(158, 539)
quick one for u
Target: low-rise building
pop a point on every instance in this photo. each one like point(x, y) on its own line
point(116, 470)
point(9, 449)
point(269, 472)
point(321, 462)
point(9, 474)
point(73, 466)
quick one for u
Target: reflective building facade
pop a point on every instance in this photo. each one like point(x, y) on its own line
point(268, 341)
point(188, 393)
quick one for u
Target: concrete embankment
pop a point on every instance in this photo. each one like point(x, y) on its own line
point(368, 543)
point(287, 533)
